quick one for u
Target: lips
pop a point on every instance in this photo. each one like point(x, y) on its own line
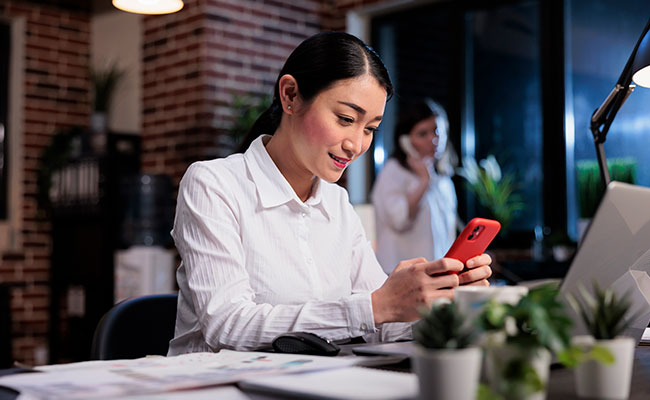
point(339, 161)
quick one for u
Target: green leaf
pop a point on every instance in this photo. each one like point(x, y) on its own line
point(571, 357)
point(485, 393)
point(602, 354)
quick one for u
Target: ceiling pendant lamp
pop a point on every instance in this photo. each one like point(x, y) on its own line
point(149, 6)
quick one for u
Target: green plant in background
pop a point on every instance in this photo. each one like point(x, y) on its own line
point(590, 185)
point(104, 83)
point(246, 109)
point(443, 327)
point(538, 321)
point(495, 191)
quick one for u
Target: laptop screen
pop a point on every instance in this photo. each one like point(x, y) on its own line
point(617, 241)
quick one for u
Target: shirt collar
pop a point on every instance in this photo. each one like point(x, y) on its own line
point(272, 187)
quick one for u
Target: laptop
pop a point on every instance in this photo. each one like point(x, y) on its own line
point(617, 240)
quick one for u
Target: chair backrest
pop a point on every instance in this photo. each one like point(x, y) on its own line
point(136, 328)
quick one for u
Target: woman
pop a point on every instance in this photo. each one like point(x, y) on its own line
point(413, 196)
point(270, 245)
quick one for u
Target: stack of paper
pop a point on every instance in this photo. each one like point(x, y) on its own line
point(96, 379)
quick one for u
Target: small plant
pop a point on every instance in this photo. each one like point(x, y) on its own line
point(605, 351)
point(104, 83)
point(538, 321)
point(605, 314)
point(444, 327)
point(495, 191)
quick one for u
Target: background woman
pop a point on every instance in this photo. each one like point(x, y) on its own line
point(414, 197)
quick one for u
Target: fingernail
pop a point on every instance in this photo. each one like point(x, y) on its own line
point(470, 263)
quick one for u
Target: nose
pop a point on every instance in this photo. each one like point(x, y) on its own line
point(353, 145)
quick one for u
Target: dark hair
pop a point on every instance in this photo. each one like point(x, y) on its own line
point(406, 120)
point(317, 63)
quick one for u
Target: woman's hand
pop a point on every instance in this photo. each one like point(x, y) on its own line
point(478, 271)
point(419, 167)
point(415, 284)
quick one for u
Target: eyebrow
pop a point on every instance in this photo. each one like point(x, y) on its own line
point(359, 109)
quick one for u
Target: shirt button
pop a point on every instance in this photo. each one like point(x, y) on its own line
point(364, 327)
point(304, 215)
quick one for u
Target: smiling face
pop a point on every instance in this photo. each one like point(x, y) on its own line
point(424, 137)
point(337, 126)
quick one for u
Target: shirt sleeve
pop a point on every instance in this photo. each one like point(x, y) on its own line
point(389, 198)
point(206, 233)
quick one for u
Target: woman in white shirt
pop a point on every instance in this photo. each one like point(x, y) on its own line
point(414, 197)
point(269, 244)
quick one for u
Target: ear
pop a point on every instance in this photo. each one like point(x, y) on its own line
point(289, 95)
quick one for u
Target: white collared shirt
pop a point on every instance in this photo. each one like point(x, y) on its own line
point(258, 262)
point(429, 233)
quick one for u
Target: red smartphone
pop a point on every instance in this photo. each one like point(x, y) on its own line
point(474, 239)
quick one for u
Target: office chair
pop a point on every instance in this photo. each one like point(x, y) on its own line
point(136, 328)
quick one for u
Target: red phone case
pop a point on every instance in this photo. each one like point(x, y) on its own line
point(474, 239)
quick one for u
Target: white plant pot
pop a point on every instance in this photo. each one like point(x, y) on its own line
point(447, 374)
point(497, 359)
point(606, 381)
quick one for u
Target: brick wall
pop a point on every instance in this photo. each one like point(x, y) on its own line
point(56, 92)
point(196, 60)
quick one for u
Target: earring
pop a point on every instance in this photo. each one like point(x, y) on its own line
point(288, 107)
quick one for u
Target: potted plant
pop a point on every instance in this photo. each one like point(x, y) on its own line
point(445, 360)
point(104, 83)
point(520, 340)
point(494, 190)
point(245, 109)
point(604, 357)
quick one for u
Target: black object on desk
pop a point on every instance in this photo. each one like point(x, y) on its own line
point(304, 343)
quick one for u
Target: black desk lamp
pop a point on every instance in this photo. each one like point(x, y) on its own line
point(637, 69)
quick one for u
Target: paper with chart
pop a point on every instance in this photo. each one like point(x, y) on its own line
point(98, 379)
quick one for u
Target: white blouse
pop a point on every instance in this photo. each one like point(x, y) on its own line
point(433, 229)
point(258, 262)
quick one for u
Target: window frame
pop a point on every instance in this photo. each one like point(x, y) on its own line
point(11, 227)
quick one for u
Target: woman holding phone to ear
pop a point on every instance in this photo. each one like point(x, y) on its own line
point(414, 196)
point(270, 244)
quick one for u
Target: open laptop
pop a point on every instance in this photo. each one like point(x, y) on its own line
point(618, 238)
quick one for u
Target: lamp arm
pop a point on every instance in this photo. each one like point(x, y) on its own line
point(604, 115)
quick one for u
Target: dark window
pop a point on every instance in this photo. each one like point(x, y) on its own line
point(5, 41)
point(600, 38)
point(493, 66)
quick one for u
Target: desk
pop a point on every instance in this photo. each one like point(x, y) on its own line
point(561, 384)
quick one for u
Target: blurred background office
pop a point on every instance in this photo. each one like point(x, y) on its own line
point(87, 182)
